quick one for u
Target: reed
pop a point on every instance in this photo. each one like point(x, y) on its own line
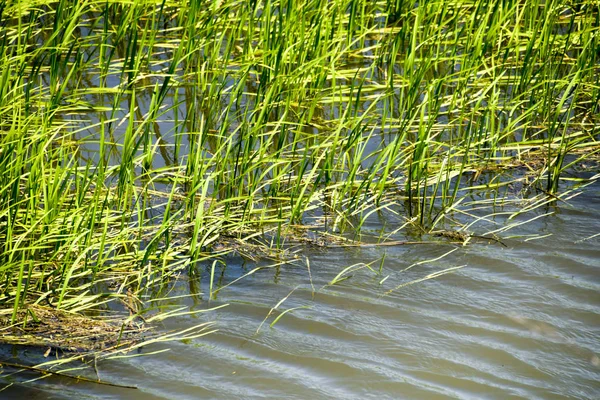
point(135, 135)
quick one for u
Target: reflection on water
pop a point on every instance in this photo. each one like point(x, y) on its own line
point(516, 322)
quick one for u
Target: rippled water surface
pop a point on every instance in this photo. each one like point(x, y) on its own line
point(515, 322)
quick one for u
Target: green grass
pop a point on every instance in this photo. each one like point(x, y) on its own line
point(134, 135)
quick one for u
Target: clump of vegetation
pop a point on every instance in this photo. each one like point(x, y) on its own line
point(140, 138)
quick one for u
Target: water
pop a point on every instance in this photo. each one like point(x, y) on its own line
point(515, 322)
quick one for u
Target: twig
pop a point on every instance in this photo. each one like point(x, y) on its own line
point(79, 378)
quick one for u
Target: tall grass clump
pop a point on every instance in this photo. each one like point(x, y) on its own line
point(135, 135)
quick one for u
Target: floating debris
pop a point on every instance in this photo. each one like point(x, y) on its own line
point(50, 328)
